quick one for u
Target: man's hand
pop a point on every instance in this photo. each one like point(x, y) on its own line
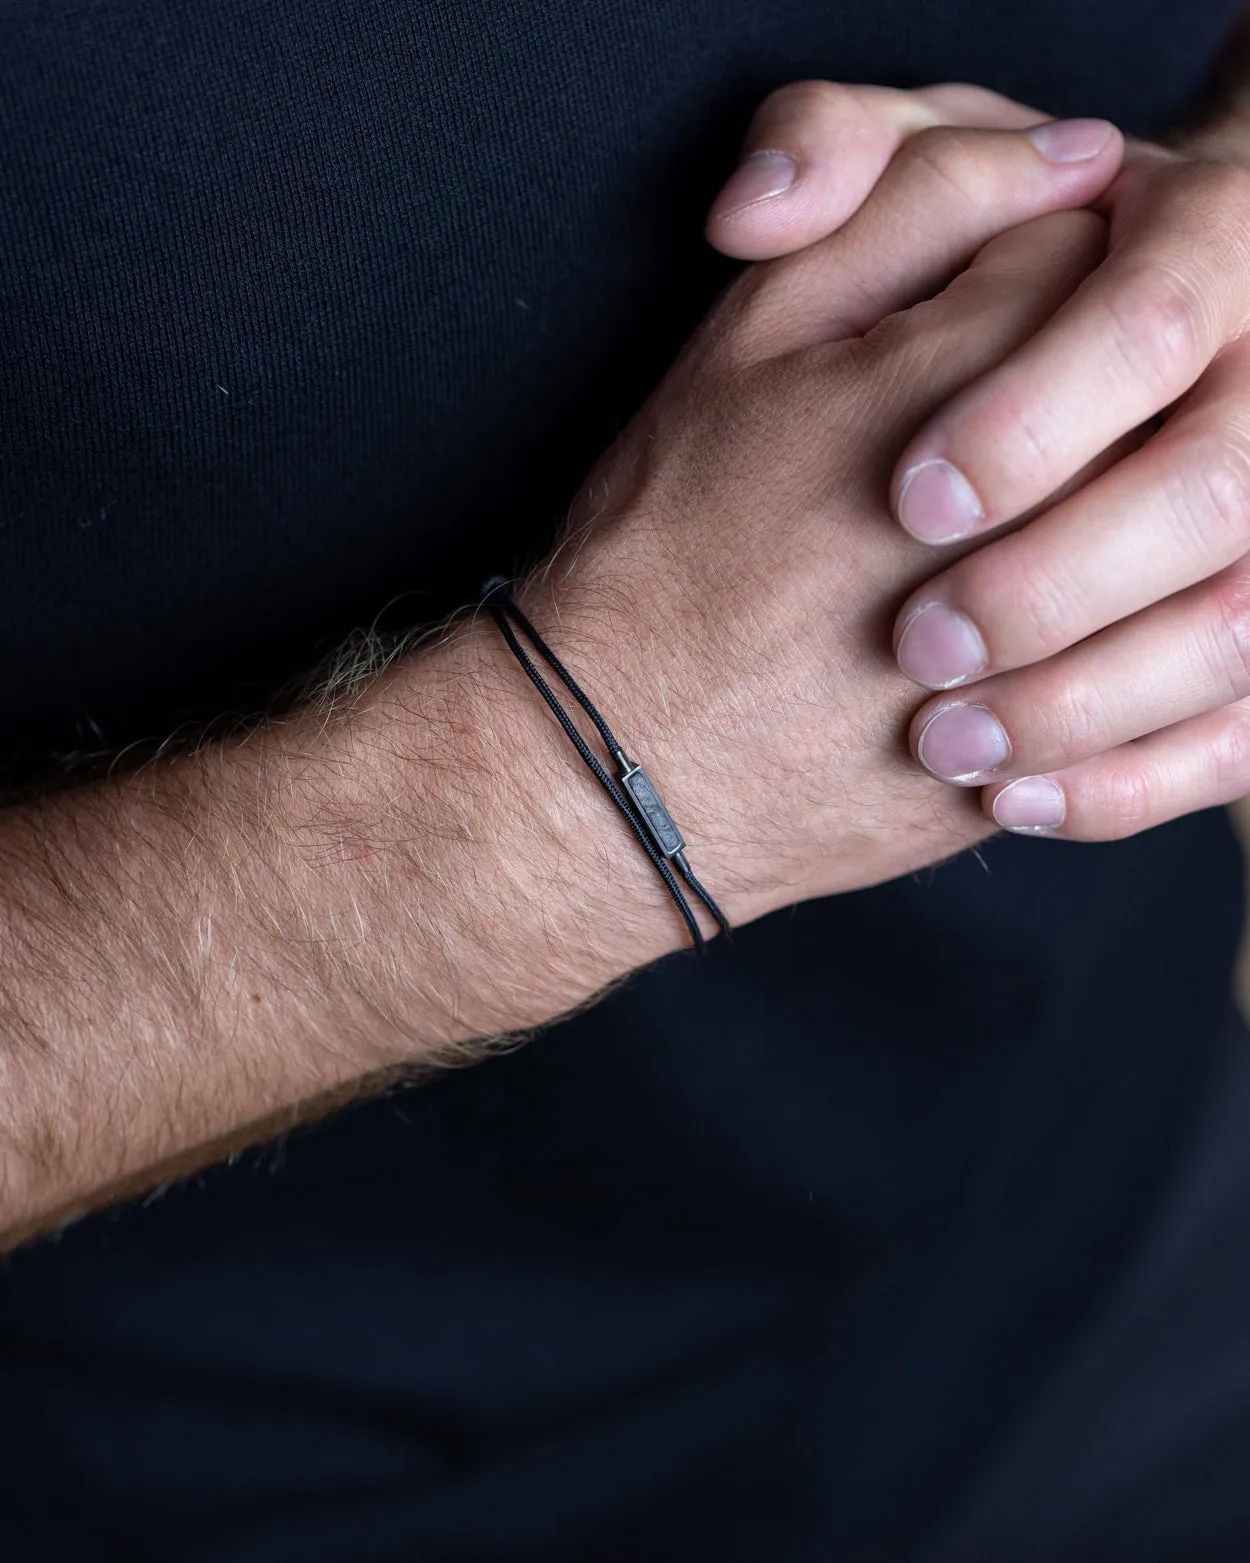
point(190, 949)
point(729, 566)
point(1125, 606)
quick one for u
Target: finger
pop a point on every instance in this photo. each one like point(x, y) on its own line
point(914, 359)
point(1136, 336)
point(1199, 764)
point(945, 195)
point(815, 149)
point(1013, 286)
point(1178, 659)
point(1171, 514)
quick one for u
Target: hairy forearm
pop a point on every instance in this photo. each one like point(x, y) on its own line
point(196, 947)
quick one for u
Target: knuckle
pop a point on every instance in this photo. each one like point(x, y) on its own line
point(962, 98)
point(742, 320)
point(1016, 424)
point(1123, 798)
point(754, 319)
point(1232, 622)
point(803, 100)
point(1007, 589)
point(946, 154)
point(1230, 753)
point(1075, 720)
point(901, 348)
point(1157, 326)
point(1232, 625)
point(1213, 491)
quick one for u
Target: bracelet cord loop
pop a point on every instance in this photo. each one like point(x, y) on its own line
point(631, 790)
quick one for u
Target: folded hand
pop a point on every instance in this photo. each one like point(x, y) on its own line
point(1102, 650)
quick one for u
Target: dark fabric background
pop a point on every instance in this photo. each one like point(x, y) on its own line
point(304, 307)
point(909, 1228)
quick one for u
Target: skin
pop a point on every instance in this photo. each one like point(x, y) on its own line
point(1095, 661)
point(392, 884)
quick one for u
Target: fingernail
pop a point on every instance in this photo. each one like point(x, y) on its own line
point(757, 177)
point(940, 647)
point(937, 504)
point(1030, 805)
point(960, 743)
point(1071, 140)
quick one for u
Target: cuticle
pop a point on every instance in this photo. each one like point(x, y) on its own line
point(746, 206)
point(912, 616)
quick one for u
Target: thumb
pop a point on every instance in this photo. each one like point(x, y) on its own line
point(815, 150)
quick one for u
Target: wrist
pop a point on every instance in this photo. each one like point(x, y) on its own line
point(521, 893)
point(686, 720)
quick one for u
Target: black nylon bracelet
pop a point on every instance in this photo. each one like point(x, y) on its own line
point(631, 790)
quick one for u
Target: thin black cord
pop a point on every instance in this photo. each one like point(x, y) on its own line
point(610, 741)
point(652, 826)
point(601, 776)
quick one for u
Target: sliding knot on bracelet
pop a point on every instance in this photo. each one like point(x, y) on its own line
point(631, 790)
